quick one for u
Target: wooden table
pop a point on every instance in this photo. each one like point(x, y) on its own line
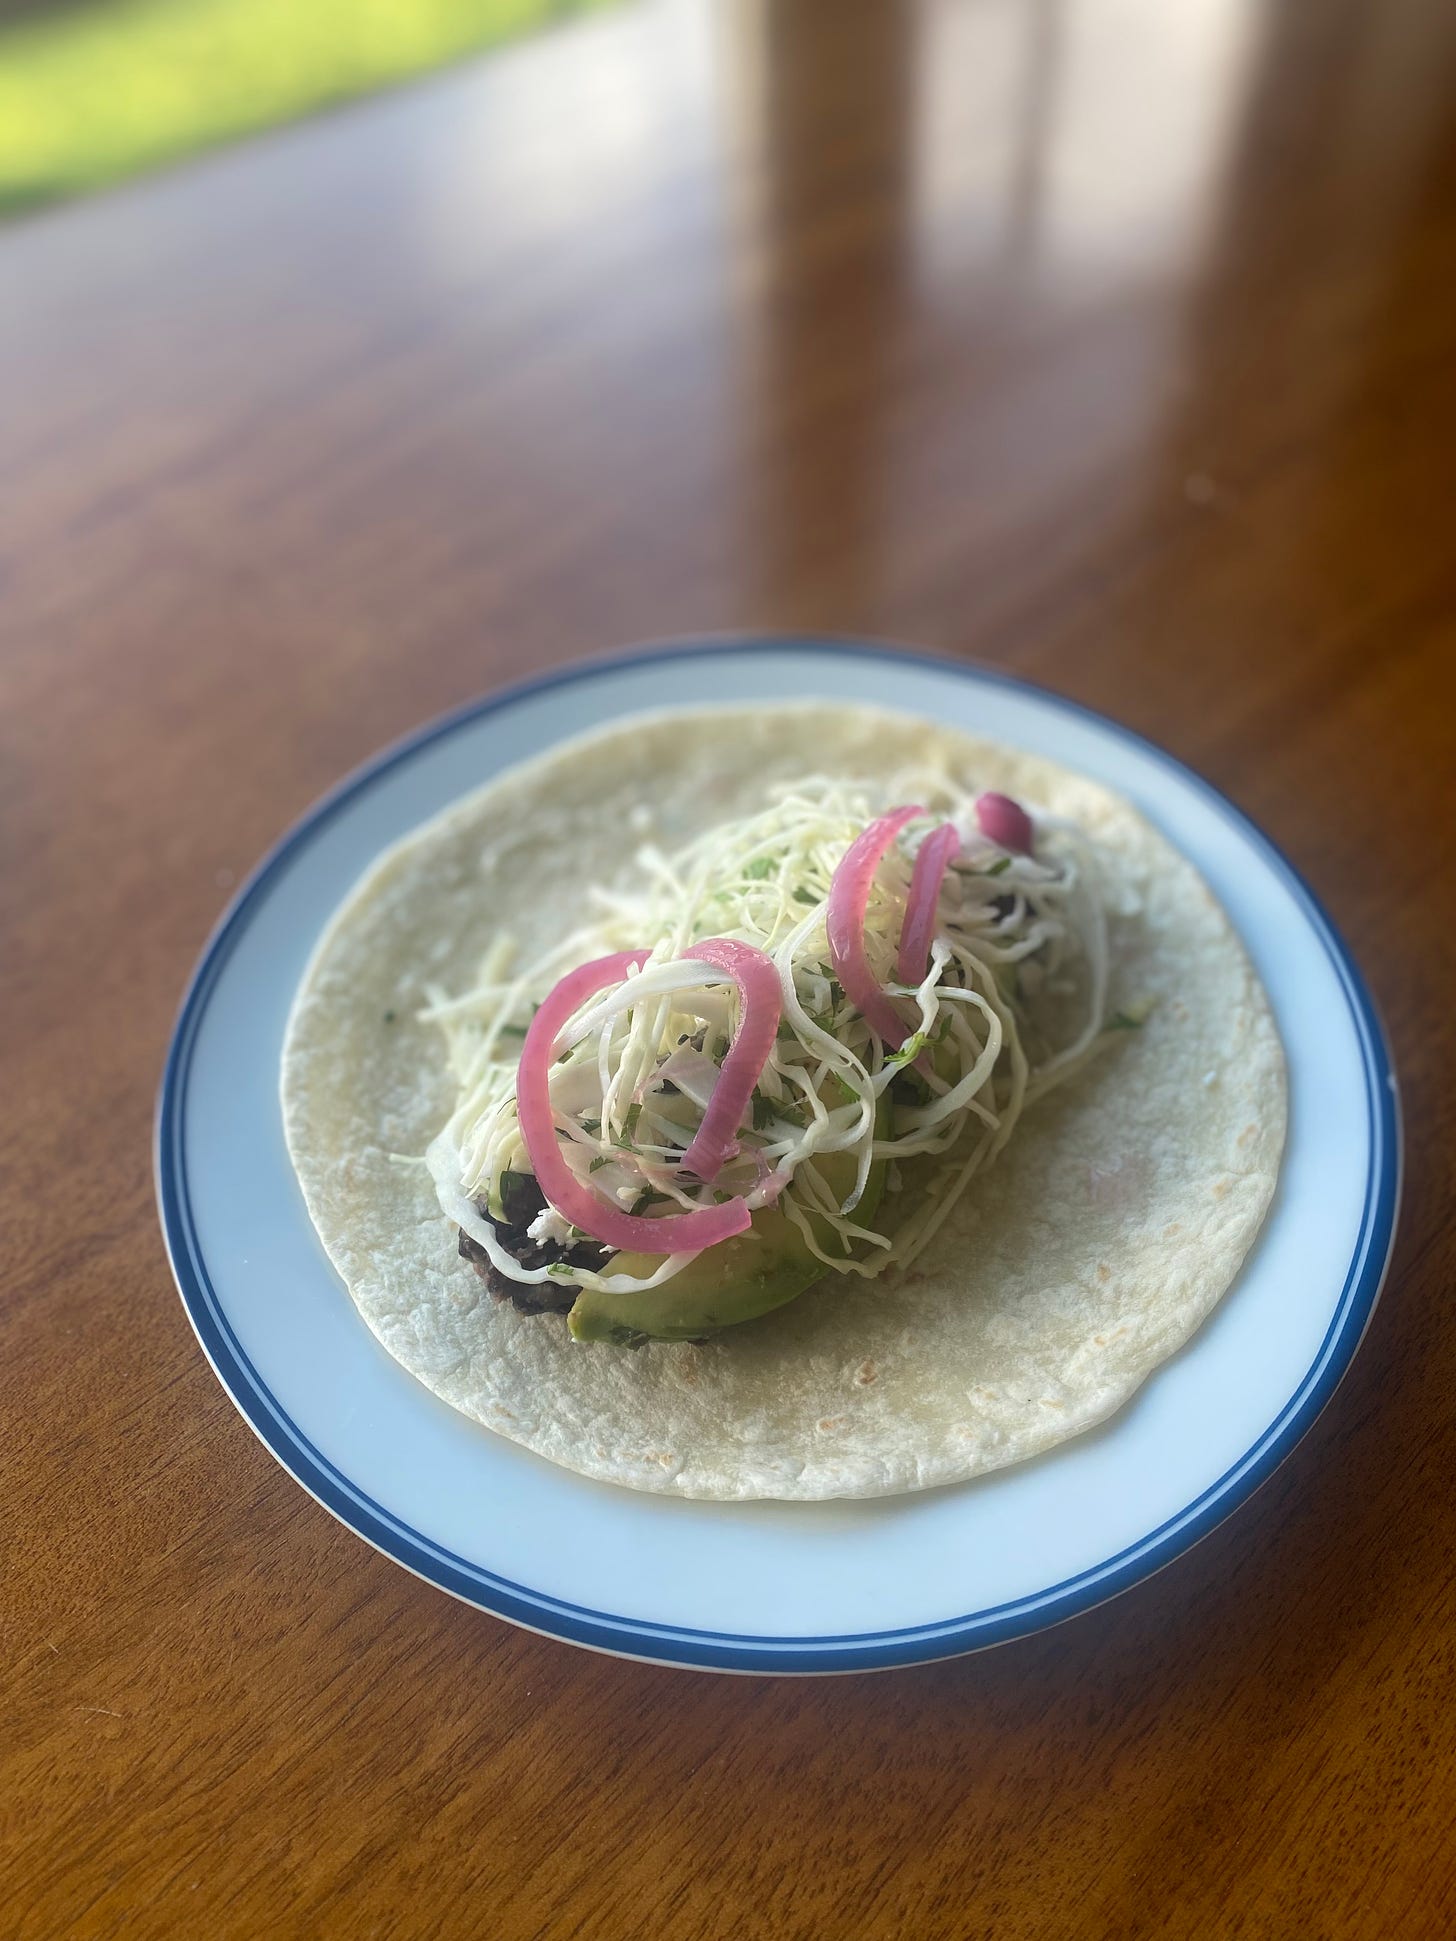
point(1112, 342)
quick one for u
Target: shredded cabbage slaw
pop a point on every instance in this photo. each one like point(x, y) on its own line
point(637, 1065)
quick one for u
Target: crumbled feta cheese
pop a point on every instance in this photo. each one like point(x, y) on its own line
point(548, 1227)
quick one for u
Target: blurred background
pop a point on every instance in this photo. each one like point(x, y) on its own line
point(92, 91)
point(1058, 104)
point(940, 318)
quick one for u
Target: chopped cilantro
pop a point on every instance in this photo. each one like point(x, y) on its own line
point(847, 1092)
point(999, 867)
point(757, 870)
point(767, 1111)
point(598, 1163)
point(591, 1125)
point(805, 896)
point(909, 1051)
point(520, 1197)
point(1120, 1021)
point(389, 1017)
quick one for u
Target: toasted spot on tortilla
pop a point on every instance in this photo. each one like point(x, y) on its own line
point(865, 1374)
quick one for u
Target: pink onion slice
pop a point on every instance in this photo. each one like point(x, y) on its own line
point(849, 894)
point(931, 862)
point(760, 1007)
point(573, 1199)
point(1005, 822)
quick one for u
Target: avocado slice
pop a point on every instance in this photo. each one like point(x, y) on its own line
point(754, 1272)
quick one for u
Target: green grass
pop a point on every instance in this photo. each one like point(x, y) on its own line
point(93, 92)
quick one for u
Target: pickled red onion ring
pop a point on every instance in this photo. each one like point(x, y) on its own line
point(931, 863)
point(572, 1198)
point(849, 895)
point(1004, 822)
point(760, 1008)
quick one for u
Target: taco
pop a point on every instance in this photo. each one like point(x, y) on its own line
point(797, 1102)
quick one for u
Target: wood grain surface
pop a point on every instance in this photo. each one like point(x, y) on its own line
point(1111, 341)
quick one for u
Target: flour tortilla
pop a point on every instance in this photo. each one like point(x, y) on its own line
point(1115, 1219)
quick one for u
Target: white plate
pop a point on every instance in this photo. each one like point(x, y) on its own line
point(767, 1586)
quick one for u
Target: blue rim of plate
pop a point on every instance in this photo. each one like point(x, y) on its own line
point(733, 1651)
